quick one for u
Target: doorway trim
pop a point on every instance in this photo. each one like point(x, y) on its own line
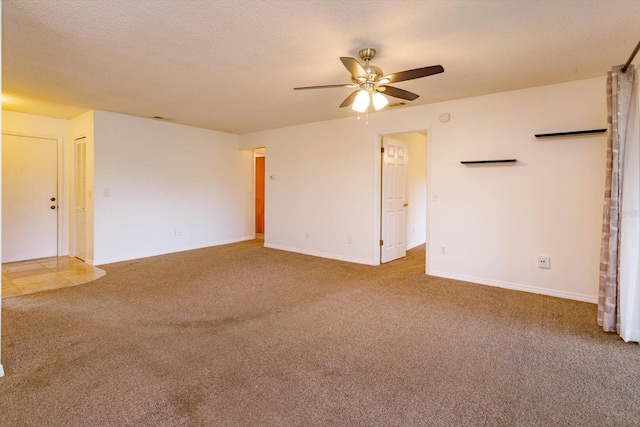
point(377, 203)
point(63, 212)
point(256, 153)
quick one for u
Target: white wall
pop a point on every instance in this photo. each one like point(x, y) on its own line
point(321, 189)
point(164, 179)
point(47, 127)
point(493, 221)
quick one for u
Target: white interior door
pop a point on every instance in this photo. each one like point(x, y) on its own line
point(29, 198)
point(80, 210)
point(394, 200)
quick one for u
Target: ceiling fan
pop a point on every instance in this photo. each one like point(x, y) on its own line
point(371, 84)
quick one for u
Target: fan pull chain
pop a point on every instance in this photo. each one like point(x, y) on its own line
point(367, 110)
point(366, 114)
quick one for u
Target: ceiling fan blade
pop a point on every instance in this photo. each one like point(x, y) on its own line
point(324, 86)
point(349, 99)
point(413, 74)
point(354, 67)
point(398, 93)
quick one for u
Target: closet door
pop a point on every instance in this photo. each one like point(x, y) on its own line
point(81, 198)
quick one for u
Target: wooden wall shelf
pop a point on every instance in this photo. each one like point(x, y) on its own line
point(474, 162)
point(577, 132)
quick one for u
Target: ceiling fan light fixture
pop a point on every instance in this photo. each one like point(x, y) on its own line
point(361, 102)
point(371, 83)
point(379, 101)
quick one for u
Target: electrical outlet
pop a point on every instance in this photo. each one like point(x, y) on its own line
point(177, 232)
point(544, 261)
point(349, 240)
point(306, 235)
point(442, 249)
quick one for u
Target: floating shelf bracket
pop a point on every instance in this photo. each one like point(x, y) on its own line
point(472, 162)
point(577, 132)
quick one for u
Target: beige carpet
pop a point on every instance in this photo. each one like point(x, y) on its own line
point(247, 336)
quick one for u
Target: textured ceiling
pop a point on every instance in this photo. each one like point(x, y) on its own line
point(231, 65)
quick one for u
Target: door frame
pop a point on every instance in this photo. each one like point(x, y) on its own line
point(253, 185)
point(63, 214)
point(377, 202)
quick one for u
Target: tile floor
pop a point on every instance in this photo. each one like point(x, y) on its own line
point(29, 277)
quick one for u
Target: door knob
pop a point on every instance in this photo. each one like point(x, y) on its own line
point(53, 207)
point(53, 199)
point(406, 204)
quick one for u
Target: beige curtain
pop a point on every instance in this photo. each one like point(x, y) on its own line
point(619, 90)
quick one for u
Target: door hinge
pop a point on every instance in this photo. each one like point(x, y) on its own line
point(381, 242)
point(382, 150)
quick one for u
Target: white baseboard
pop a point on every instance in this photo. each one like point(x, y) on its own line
point(320, 254)
point(518, 287)
point(1, 371)
point(179, 249)
point(236, 240)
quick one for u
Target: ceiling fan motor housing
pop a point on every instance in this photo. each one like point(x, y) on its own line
point(373, 72)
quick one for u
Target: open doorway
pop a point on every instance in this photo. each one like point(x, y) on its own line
point(259, 201)
point(403, 194)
